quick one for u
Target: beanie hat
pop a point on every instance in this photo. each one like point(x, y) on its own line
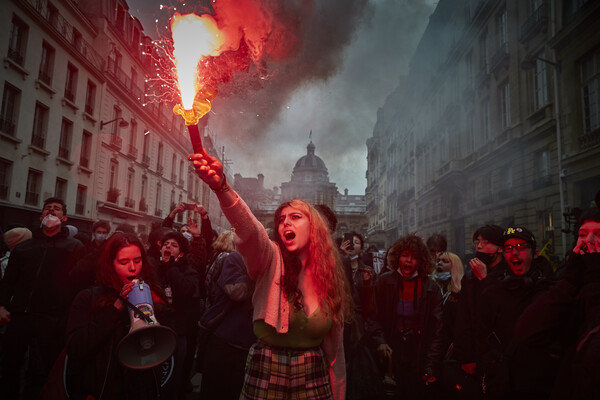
point(15, 236)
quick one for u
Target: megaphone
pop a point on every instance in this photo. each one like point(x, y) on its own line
point(148, 343)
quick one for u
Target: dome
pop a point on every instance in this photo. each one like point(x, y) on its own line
point(310, 161)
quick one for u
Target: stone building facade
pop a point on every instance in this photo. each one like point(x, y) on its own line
point(496, 122)
point(76, 122)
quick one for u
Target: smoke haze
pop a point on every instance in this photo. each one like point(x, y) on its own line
point(327, 72)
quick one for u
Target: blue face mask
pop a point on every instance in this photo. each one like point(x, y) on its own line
point(442, 276)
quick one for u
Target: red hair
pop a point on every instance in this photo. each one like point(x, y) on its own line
point(323, 258)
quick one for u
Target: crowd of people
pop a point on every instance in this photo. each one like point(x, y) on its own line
point(294, 313)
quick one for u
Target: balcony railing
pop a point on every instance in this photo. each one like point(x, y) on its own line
point(173, 177)
point(69, 95)
point(158, 213)
point(45, 77)
point(132, 151)
point(38, 140)
point(499, 59)
point(535, 23)
point(89, 109)
point(160, 169)
point(3, 192)
point(16, 56)
point(63, 152)
point(7, 126)
point(64, 29)
point(84, 161)
point(129, 202)
point(32, 198)
point(116, 141)
point(146, 160)
point(79, 208)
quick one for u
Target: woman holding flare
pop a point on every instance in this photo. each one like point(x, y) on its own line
point(300, 299)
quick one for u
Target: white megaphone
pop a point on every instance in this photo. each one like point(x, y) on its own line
point(147, 344)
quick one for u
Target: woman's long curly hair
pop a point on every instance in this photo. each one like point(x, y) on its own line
point(329, 277)
point(417, 247)
point(106, 275)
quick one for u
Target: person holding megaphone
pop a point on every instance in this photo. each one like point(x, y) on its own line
point(116, 349)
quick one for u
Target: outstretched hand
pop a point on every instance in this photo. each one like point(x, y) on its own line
point(208, 168)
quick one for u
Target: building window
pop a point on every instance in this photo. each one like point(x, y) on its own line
point(52, 14)
point(113, 173)
point(485, 123)
point(174, 168)
point(157, 202)
point(505, 104)
point(71, 82)
point(46, 64)
point(10, 104)
point(90, 97)
point(132, 136)
point(590, 76)
point(86, 149)
point(17, 41)
point(66, 132)
point(144, 193)
point(60, 188)
point(129, 194)
point(541, 83)
point(159, 166)
point(485, 56)
point(502, 27)
point(40, 125)
point(34, 184)
point(80, 199)
point(542, 169)
point(5, 170)
point(77, 40)
point(116, 117)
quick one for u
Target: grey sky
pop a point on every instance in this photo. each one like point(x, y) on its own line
point(350, 61)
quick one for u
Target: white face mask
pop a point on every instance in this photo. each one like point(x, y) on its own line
point(100, 237)
point(188, 236)
point(51, 221)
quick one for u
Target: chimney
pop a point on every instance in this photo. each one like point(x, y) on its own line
point(345, 192)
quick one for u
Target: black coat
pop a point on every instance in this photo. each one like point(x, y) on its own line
point(429, 305)
point(94, 330)
point(37, 278)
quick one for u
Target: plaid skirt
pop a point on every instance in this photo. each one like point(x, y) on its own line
point(286, 374)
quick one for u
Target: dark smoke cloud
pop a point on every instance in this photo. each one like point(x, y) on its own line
point(347, 57)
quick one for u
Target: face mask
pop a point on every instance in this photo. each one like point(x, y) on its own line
point(188, 236)
point(100, 237)
point(486, 258)
point(442, 276)
point(51, 221)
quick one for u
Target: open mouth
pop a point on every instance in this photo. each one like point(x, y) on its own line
point(289, 235)
point(131, 278)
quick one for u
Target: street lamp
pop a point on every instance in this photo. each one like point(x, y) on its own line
point(122, 122)
point(528, 63)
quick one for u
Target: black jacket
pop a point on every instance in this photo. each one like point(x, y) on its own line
point(94, 330)
point(429, 305)
point(37, 278)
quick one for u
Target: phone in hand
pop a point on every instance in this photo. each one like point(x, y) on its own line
point(350, 237)
point(190, 206)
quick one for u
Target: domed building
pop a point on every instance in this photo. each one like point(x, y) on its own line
point(310, 181)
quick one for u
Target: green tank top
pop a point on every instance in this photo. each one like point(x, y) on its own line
point(304, 331)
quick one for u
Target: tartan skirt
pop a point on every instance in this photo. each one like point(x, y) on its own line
point(286, 374)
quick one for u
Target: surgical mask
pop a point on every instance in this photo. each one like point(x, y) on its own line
point(100, 237)
point(188, 236)
point(442, 276)
point(486, 258)
point(51, 221)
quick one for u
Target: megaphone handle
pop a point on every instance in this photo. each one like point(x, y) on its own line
point(137, 311)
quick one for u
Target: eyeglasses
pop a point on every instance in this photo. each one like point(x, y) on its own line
point(480, 242)
point(518, 246)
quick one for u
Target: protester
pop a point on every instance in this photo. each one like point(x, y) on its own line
point(35, 296)
point(84, 274)
point(300, 296)
point(12, 238)
point(409, 312)
point(99, 319)
point(228, 331)
point(437, 244)
point(565, 320)
point(181, 283)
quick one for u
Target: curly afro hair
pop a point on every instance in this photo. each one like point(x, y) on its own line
point(417, 247)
